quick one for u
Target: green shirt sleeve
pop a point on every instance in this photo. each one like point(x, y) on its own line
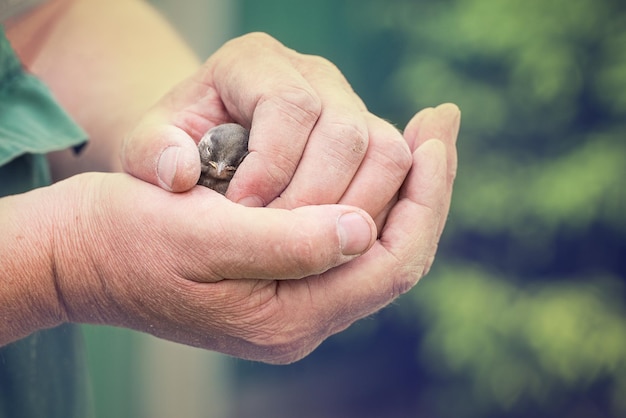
point(45, 374)
point(31, 123)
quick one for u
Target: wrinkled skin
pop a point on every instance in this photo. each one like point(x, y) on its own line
point(308, 250)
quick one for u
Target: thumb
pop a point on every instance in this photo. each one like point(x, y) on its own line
point(163, 155)
point(267, 243)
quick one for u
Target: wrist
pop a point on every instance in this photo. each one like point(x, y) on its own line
point(29, 299)
point(78, 279)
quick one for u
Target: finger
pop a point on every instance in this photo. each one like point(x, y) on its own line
point(397, 260)
point(163, 155)
point(232, 241)
point(382, 172)
point(338, 143)
point(276, 101)
point(443, 123)
point(357, 289)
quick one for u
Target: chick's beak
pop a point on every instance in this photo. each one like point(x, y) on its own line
point(219, 170)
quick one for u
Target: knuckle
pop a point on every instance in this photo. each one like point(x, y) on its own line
point(411, 274)
point(407, 280)
point(318, 67)
point(452, 172)
point(354, 133)
point(296, 103)
point(255, 41)
point(259, 37)
point(350, 139)
point(281, 341)
point(305, 257)
point(280, 170)
point(321, 64)
point(399, 155)
point(388, 162)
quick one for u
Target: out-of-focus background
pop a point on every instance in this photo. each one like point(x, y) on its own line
point(524, 312)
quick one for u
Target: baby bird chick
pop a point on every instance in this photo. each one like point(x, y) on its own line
point(222, 149)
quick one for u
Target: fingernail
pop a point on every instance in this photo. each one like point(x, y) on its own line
point(355, 233)
point(251, 202)
point(452, 114)
point(166, 168)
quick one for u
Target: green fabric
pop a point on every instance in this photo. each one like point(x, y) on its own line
point(31, 121)
point(45, 374)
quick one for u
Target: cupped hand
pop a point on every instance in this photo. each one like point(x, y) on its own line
point(199, 269)
point(312, 139)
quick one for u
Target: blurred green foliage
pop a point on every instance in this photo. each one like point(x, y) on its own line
point(526, 311)
point(539, 344)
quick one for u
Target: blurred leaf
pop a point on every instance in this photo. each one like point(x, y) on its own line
point(573, 190)
point(523, 343)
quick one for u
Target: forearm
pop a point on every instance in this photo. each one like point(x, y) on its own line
point(107, 63)
point(28, 299)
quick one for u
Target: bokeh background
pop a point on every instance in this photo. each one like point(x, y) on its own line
point(524, 312)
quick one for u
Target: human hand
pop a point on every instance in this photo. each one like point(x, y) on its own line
point(130, 254)
point(312, 140)
point(201, 270)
